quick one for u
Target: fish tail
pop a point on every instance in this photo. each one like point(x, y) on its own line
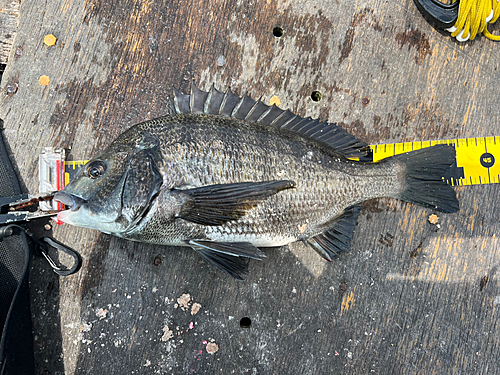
point(423, 172)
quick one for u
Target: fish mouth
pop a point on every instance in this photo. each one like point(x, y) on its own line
point(72, 201)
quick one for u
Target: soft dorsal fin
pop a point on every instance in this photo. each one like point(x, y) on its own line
point(245, 108)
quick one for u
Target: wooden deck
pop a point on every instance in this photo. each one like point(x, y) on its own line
point(408, 298)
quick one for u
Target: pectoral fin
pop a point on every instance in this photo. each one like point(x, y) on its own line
point(218, 204)
point(338, 237)
point(227, 256)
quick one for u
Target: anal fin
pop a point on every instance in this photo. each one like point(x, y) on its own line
point(228, 257)
point(338, 237)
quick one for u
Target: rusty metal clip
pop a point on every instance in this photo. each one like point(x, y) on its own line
point(10, 206)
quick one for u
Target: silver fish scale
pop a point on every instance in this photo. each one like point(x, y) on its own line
point(202, 150)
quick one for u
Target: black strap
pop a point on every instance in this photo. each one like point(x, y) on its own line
point(16, 343)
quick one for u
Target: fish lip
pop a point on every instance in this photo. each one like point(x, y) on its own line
point(70, 200)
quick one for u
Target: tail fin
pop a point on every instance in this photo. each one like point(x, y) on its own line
point(424, 170)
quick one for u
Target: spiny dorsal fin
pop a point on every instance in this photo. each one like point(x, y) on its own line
point(181, 102)
point(197, 99)
point(214, 100)
point(245, 108)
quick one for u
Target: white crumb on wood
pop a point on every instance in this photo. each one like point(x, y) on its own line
point(85, 327)
point(195, 308)
point(212, 348)
point(184, 301)
point(167, 334)
point(102, 313)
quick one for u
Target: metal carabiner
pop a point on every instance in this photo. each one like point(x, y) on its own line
point(439, 15)
point(42, 247)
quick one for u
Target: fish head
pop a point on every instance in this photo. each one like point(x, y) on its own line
point(113, 191)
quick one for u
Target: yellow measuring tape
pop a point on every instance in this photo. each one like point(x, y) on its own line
point(71, 168)
point(473, 17)
point(476, 159)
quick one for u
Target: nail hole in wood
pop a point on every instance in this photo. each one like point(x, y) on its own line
point(278, 32)
point(245, 322)
point(316, 96)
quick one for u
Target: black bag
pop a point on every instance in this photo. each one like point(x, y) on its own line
point(16, 344)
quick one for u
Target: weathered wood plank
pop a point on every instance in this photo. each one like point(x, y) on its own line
point(9, 15)
point(411, 300)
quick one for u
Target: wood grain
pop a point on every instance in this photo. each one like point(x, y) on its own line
point(408, 298)
point(9, 15)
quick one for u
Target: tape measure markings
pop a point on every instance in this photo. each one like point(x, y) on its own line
point(71, 169)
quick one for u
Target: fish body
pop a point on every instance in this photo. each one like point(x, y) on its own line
point(227, 175)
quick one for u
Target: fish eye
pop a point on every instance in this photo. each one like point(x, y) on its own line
point(96, 169)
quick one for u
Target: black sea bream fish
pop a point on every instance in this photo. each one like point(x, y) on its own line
point(226, 175)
